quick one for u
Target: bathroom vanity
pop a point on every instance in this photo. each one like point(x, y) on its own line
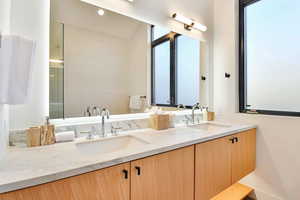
point(195, 162)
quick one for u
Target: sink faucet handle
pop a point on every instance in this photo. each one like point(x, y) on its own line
point(115, 129)
point(90, 135)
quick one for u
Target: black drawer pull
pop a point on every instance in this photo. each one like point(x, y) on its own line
point(232, 140)
point(125, 174)
point(138, 169)
point(236, 139)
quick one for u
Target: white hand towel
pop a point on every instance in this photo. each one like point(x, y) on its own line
point(16, 55)
point(65, 136)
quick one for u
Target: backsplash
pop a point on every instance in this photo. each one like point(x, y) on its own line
point(17, 138)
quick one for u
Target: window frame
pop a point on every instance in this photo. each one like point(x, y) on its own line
point(173, 66)
point(243, 4)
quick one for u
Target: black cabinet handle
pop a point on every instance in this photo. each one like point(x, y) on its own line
point(125, 173)
point(138, 170)
point(236, 139)
point(232, 140)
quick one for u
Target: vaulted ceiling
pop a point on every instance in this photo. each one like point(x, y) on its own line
point(82, 15)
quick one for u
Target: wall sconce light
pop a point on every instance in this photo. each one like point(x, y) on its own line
point(189, 23)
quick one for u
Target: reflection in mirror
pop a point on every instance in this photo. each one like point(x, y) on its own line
point(105, 61)
point(176, 68)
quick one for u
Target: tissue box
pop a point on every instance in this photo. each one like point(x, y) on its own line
point(159, 121)
point(33, 135)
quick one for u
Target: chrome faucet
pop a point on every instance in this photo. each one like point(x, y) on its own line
point(104, 113)
point(87, 112)
point(196, 106)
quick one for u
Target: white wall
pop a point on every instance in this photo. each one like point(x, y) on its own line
point(278, 162)
point(30, 19)
point(4, 115)
point(96, 71)
point(138, 55)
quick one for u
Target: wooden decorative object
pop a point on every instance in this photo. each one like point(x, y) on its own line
point(34, 137)
point(47, 135)
point(159, 122)
point(210, 116)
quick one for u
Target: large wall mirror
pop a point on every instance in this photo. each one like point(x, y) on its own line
point(99, 58)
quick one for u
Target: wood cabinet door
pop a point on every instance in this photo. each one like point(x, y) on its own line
point(105, 184)
point(243, 154)
point(212, 168)
point(167, 176)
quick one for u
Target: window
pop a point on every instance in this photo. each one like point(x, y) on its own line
point(188, 70)
point(269, 57)
point(162, 65)
point(175, 69)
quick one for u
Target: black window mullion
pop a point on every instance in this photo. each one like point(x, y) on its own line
point(242, 82)
point(152, 76)
point(172, 72)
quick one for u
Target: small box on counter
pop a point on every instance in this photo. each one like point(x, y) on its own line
point(210, 116)
point(40, 135)
point(159, 121)
point(33, 136)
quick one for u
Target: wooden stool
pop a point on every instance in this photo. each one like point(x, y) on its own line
point(235, 192)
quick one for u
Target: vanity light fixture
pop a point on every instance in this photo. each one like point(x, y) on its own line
point(186, 21)
point(101, 12)
point(199, 27)
point(130, 0)
point(56, 61)
point(189, 23)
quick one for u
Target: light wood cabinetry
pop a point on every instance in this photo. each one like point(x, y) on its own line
point(213, 168)
point(243, 154)
point(222, 162)
point(106, 184)
point(168, 176)
point(197, 172)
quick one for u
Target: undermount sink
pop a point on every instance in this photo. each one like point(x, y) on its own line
point(210, 127)
point(109, 145)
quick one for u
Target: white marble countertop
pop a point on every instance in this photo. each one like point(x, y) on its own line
point(23, 168)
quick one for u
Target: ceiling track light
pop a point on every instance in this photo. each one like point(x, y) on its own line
point(189, 24)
